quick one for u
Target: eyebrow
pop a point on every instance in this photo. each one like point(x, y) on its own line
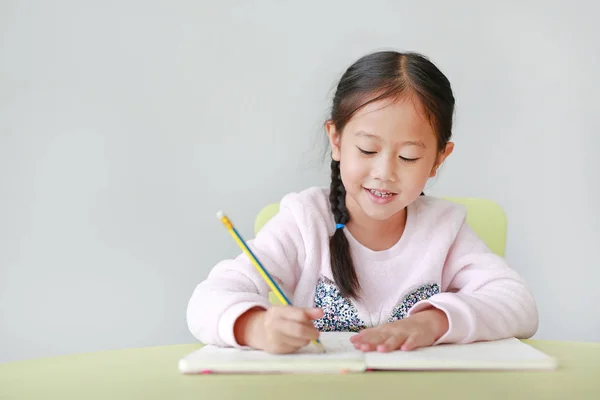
point(417, 143)
point(367, 134)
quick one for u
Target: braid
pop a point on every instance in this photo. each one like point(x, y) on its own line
point(342, 266)
point(337, 195)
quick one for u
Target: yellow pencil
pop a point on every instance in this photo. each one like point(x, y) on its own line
point(259, 267)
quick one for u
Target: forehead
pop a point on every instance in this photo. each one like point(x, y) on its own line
point(393, 120)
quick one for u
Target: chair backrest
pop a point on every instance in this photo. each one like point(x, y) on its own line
point(484, 216)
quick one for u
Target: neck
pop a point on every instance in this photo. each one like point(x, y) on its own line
point(375, 234)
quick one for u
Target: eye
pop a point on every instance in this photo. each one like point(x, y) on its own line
point(366, 152)
point(408, 160)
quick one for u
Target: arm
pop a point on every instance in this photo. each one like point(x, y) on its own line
point(483, 298)
point(234, 286)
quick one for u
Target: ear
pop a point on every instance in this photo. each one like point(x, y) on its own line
point(441, 157)
point(334, 140)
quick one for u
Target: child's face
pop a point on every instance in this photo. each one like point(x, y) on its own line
point(403, 154)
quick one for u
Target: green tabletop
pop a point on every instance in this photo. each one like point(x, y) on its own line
point(151, 373)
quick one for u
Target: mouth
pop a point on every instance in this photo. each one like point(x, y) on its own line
point(381, 193)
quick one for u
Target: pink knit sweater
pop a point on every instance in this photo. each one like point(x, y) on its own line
point(438, 261)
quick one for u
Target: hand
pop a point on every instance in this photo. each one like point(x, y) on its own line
point(419, 330)
point(280, 329)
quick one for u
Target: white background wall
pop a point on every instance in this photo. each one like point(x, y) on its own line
point(124, 126)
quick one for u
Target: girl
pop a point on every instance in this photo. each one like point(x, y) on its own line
point(371, 254)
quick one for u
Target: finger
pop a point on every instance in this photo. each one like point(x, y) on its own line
point(370, 340)
point(366, 347)
point(291, 313)
point(307, 322)
point(392, 343)
point(284, 345)
point(373, 337)
point(298, 330)
point(366, 333)
point(415, 341)
point(300, 314)
point(356, 338)
point(314, 313)
point(292, 341)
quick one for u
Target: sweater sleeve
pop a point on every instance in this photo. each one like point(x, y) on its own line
point(484, 299)
point(234, 286)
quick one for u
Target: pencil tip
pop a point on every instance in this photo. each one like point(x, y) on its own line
point(220, 214)
point(320, 346)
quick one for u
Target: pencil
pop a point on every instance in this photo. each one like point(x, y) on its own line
point(259, 267)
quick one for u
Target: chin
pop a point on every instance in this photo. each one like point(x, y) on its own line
point(380, 212)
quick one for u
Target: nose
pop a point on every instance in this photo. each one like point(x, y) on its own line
point(385, 168)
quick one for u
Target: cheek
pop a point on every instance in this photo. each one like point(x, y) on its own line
point(353, 171)
point(414, 177)
point(422, 172)
point(423, 169)
point(417, 175)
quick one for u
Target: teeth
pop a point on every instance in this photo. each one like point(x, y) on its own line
point(381, 194)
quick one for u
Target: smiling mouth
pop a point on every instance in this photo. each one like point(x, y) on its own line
point(381, 193)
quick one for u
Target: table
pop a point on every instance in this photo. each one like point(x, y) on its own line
point(151, 373)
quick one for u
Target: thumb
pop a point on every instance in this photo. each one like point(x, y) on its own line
point(314, 313)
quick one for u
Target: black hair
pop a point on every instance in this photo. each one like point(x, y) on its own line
point(378, 76)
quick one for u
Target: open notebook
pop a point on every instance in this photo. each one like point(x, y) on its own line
point(341, 356)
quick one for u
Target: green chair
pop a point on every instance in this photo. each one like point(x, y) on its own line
point(484, 216)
